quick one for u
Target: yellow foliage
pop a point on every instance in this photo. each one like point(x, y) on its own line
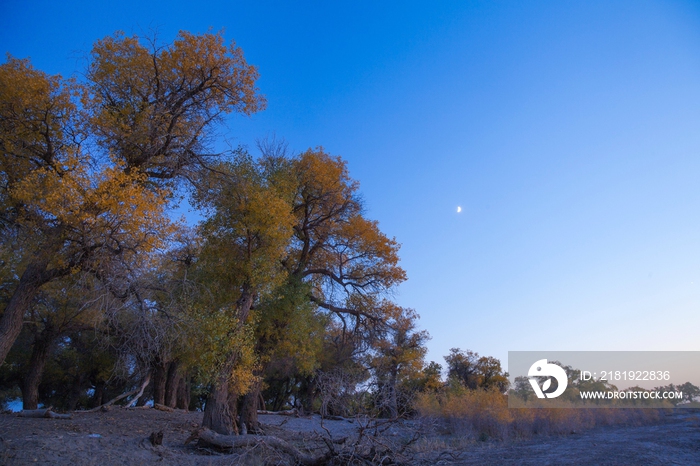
point(218, 335)
point(289, 331)
point(402, 350)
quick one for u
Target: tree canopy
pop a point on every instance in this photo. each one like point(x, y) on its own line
point(77, 157)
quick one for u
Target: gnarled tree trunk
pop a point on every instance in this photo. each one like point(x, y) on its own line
point(218, 415)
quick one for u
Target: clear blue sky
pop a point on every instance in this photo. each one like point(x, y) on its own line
point(569, 132)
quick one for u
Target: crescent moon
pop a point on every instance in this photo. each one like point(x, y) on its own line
point(459, 209)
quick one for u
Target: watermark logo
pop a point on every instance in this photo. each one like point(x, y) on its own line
point(543, 369)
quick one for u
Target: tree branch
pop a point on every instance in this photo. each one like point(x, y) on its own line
point(342, 310)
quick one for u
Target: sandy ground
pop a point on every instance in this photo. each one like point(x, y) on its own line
point(120, 437)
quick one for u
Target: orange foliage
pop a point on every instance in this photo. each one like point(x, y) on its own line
point(152, 107)
point(346, 257)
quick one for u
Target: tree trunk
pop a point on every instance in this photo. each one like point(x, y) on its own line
point(233, 409)
point(37, 362)
point(393, 402)
point(75, 391)
point(159, 380)
point(249, 409)
point(99, 394)
point(34, 276)
point(183, 392)
point(171, 384)
point(217, 413)
point(308, 395)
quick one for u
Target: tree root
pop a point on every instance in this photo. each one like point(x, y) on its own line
point(248, 441)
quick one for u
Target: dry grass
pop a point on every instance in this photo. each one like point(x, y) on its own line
point(484, 415)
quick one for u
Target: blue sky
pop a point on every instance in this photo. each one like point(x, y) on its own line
point(567, 131)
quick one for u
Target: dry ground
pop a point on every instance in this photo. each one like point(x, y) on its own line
point(674, 442)
point(120, 437)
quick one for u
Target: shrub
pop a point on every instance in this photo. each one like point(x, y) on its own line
point(484, 414)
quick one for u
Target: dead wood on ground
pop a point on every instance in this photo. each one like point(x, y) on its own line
point(161, 407)
point(288, 412)
point(43, 413)
point(138, 390)
point(249, 441)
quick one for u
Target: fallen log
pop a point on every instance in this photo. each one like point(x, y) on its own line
point(110, 402)
point(161, 407)
point(43, 413)
point(248, 441)
point(168, 409)
point(288, 412)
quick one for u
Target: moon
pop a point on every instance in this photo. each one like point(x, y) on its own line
point(459, 209)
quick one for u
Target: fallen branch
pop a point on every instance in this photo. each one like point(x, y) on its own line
point(161, 407)
point(288, 412)
point(43, 413)
point(140, 393)
point(248, 441)
point(122, 396)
